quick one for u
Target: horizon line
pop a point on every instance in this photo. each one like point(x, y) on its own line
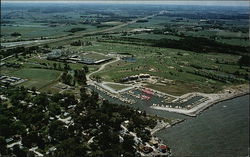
point(231, 3)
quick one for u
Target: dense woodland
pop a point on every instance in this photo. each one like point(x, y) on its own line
point(201, 45)
point(188, 43)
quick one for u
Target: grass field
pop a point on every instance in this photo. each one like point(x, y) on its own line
point(30, 32)
point(240, 42)
point(180, 88)
point(95, 56)
point(165, 63)
point(172, 64)
point(38, 78)
point(74, 66)
point(38, 75)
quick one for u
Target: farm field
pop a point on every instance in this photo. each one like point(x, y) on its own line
point(52, 22)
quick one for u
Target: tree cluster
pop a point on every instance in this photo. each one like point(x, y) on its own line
point(15, 34)
point(73, 30)
point(81, 43)
point(94, 128)
point(201, 45)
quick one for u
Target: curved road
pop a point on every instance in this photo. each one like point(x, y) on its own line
point(101, 68)
point(92, 82)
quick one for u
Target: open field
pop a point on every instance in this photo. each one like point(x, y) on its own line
point(172, 64)
point(39, 73)
point(31, 32)
point(56, 20)
point(37, 78)
point(181, 88)
point(186, 70)
point(95, 56)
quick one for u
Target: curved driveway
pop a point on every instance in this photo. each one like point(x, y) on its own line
point(101, 68)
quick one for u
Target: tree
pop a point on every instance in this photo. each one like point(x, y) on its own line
point(33, 138)
point(33, 89)
point(86, 68)
point(18, 152)
point(128, 144)
point(54, 65)
point(59, 66)
point(18, 127)
point(97, 78)
point(15, 34)
point(46, 46)
point(3, 146)
point(54, 108)
point(57, 130)
point(66, 67)
point(42, 100)
point(71, 147)
point(16, 55)
point(66, 78)
point(80, 77)
point(5, 129)
point(244, 60)
point(144, 134)
point(69, 99)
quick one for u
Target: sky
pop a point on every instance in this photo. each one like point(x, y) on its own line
point(176, 2)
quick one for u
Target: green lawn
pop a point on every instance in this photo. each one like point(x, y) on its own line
point(166, 63)
point(95, 56)
point(38, 78)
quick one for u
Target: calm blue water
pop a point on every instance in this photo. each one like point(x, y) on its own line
point(220, 131)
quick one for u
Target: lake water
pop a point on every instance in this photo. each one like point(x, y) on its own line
point(220, 131)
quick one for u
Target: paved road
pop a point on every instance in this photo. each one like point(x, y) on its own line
point(10, 56)
point(103, 84)
point(78, 35)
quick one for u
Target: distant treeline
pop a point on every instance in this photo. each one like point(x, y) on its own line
point(221, 78)
point(21, 50)
point(207, 15)
point(73, 30)
point(141, 21)
point(188, 43)
point(198, 44)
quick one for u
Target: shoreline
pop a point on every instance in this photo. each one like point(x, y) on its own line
point(213, 99)
point(165, 126)
point(218, 101)
point(194, 114)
